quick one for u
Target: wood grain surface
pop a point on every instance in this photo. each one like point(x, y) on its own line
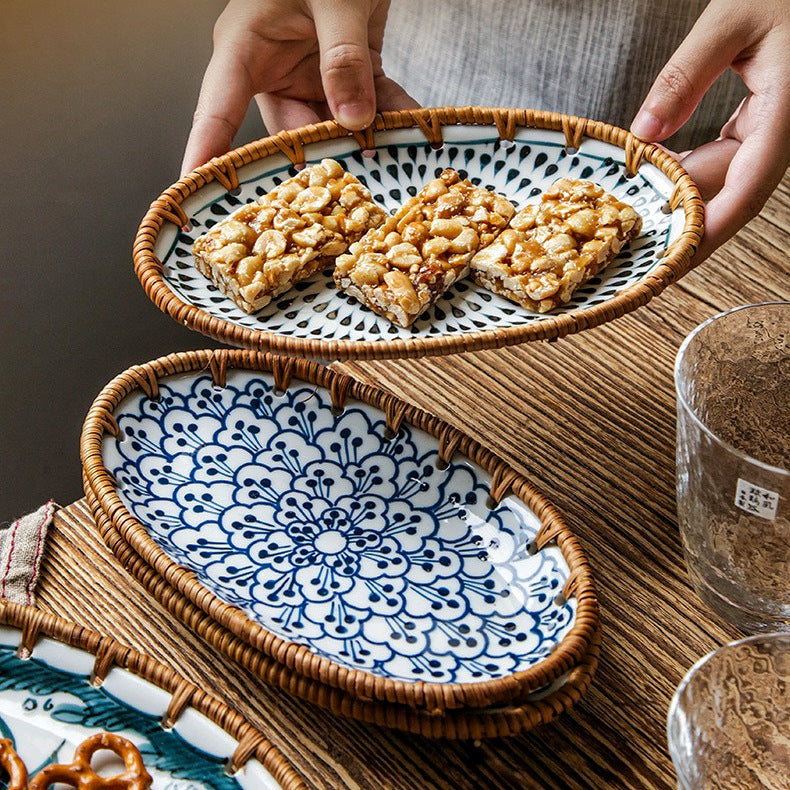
point(591, 420)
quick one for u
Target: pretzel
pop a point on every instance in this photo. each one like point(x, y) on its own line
point(13, 765)
point(80, 775)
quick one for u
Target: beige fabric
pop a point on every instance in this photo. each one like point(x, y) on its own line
point(21, 547)
point(594, 58)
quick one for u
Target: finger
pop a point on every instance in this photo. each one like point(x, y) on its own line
point(280, 113)
point(346, 68)
point(732, 128)
point(755, 171)
point(321, 109)
point(224, 98)
point(708, 165)
point(712, 45)
point(390, 95)
point(674, 154)
point(745, 118)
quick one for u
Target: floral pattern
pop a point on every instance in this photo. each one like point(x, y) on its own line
point(521, 170)
point(329, 533)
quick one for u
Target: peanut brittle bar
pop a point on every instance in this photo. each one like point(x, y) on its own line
point(552, 247)
point(402, 267)
point(264, 248)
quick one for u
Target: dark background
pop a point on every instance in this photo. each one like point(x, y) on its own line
point(96, 101)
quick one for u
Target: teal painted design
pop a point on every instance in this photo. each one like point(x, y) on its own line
point(96, 710)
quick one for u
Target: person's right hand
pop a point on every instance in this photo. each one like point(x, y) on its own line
point(302, 61)
point(737, 172)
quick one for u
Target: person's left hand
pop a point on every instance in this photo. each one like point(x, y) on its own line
point(302, 60)
point(737, 172)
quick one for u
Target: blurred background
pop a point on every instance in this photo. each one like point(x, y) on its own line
point(97, 100)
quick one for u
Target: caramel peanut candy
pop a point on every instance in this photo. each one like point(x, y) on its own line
point(552, 247)
point(264, 248)
point(402, 267)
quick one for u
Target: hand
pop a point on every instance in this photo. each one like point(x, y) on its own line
point(302, 61)
point(740, 169)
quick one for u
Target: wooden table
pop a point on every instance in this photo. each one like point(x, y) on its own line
point(590, 419)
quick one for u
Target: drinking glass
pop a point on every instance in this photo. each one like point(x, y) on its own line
point(732, 378)
point(729, 722)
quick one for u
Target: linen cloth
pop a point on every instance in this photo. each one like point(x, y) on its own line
point(21, 547)
point(593, 58)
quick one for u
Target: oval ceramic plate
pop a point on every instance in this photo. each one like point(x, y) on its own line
point(50, 703)
point(389, 566)
point(315, 319)
point(497, 721)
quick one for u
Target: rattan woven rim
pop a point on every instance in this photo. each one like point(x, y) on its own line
point(168, 208)
point(33, 623)
point(461, 724)
point(298, 658)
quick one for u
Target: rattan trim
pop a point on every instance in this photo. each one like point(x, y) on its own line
point(462, 724)
point(298, 658)
point(167, 208)
point(33, 623)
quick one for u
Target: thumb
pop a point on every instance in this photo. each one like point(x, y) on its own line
point(708, 165)
point(346, 68)
point(712, 45)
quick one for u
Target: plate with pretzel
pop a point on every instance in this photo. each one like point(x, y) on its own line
point(80, 710)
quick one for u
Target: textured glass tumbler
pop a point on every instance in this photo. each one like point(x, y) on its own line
point(729, 723)
point(732, 378)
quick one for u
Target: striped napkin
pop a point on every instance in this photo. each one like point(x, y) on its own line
point(21, 547)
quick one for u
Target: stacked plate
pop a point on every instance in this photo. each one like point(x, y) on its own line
point(325, 530)
point(334, 539)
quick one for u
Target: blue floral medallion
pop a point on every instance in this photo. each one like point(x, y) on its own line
point(331, 534)
point(400, 165)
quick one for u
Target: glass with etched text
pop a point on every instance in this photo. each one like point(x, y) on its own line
point(729, 722)
point(732, 378)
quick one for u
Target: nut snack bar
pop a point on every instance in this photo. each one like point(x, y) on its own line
point(402, 267)
point(264, 248)
point(552, 247)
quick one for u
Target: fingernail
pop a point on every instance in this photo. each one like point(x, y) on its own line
point(354, 115)
point(646, 126)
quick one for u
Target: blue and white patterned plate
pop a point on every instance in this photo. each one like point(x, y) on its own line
point(401, 163)
point(328, 533)
point(48, 706)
